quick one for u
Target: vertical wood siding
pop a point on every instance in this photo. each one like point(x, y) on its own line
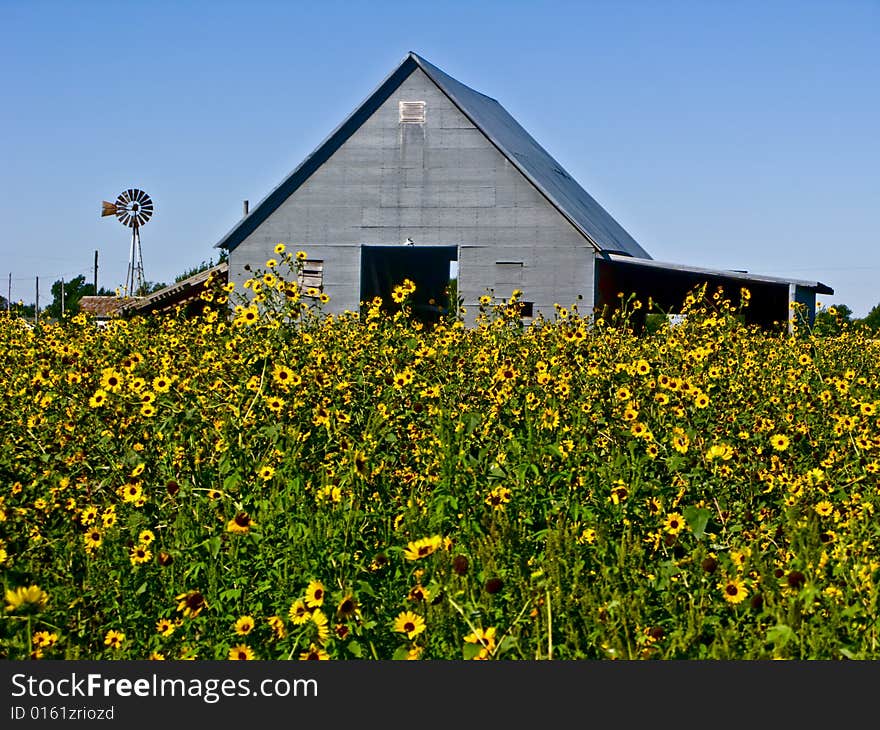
point(438, 183)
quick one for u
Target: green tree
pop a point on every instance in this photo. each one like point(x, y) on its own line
point(204, 266)
point(22, 310)
point(831, 321)
point(872, 320)
point(150, 287)
point(74, 290)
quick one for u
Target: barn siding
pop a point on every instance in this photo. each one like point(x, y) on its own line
point(441, 183)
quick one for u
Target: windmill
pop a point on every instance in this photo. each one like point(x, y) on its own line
point(133, 208)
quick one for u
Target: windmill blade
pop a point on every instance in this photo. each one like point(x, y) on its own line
point(133, 207)
point(145, 210)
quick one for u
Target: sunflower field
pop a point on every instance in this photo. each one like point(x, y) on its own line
point(268, 481)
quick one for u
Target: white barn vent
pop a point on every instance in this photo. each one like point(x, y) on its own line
point(412, 112)
point(311, 276)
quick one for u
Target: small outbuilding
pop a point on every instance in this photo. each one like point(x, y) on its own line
point(186, 294)
point(103, 308)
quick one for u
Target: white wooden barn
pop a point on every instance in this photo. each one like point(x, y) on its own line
point(428, 177)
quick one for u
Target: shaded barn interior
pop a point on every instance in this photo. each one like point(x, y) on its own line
point(668, 287)
point(428, 267)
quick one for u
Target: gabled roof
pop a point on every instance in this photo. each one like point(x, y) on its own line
point(500, 128)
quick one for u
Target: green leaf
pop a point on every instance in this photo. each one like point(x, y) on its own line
point(507, 643)
point(214, 546)
point(401, 652)
point(356, 649)
point(780, 634)
point(469, 651)
point(697, 519)
point(231, 482)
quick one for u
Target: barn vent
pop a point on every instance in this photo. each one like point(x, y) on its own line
point(311, 276)
point(412, 112)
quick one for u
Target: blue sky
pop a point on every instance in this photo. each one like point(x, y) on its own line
point(742, 135)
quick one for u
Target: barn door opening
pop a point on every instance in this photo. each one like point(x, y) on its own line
point(431, 268)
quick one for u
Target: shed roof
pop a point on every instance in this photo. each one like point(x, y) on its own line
point(816, 286)
point(179, 291)
point(500, 128)
point(103, 306)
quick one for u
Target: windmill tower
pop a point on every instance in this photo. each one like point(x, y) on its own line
point(133, 208)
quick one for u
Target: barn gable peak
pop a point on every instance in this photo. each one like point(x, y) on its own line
point(498, 126)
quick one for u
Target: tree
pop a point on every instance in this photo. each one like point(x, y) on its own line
point(872, 320)
point(150, 287)
point(22, 310)
point(204, 266)
point(832, 320)
point(74, 290)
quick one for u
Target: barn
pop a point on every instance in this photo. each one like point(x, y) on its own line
point(428, 179)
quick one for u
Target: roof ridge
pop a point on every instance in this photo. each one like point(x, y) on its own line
point(538, 166)
point(499, 127)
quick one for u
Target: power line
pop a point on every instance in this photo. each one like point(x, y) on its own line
point(33, 280)
point(68, 275)
point(829, 268)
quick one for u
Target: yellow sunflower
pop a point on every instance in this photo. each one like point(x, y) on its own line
point(409, 623)
point(734, 590)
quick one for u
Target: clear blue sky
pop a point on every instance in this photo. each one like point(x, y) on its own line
point(742, 135)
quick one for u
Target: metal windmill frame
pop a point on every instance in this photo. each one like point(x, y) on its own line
point(133, 208)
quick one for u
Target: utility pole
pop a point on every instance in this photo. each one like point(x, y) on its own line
point(9, 295)
point(37, 305)
point(96, 272)
point(62, 297)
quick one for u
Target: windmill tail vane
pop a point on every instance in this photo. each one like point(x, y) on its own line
point(133, 208)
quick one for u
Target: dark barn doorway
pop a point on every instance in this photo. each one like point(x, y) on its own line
point(429, 267)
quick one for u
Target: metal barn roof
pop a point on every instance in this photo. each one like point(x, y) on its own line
point(545, 173)
point(745, 276)
point(511, 140)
